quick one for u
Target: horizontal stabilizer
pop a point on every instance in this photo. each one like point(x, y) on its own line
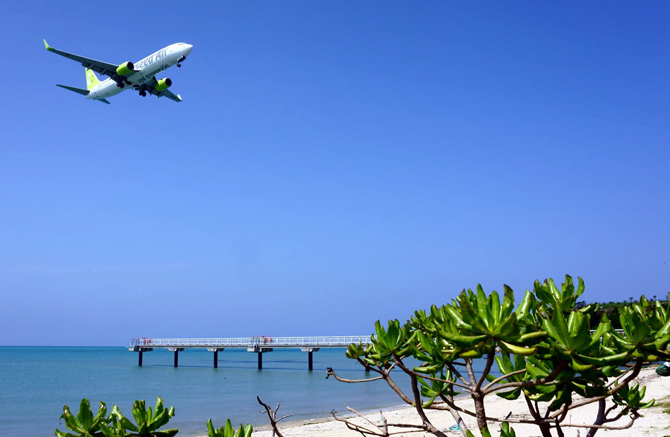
point(76, 90)
point(80, 91)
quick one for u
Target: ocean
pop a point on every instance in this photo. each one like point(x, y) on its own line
point(35, 383)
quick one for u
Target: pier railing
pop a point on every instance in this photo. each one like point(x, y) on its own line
point(259, 345)
point(316, 341)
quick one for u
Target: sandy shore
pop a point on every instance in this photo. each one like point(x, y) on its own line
point(655, 423)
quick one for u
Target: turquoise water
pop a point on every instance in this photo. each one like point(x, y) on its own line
point(35, 383)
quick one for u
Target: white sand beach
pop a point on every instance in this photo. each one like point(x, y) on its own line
point(654, 423)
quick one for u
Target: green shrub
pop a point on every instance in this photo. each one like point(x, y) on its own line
point(542, 347)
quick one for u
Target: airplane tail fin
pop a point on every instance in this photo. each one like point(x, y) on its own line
point(91, 79)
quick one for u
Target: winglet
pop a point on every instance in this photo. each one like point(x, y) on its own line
point(179, 97)
point(46, 46)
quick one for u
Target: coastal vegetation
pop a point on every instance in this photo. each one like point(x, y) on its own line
point(543, 349)
point(228, 430)
point(147, 422)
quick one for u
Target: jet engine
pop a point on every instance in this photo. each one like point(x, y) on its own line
point(163, 84)
point(125, 69)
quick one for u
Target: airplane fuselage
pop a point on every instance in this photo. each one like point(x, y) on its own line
point(144, 71)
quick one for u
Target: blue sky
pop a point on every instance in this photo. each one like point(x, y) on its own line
point(332, 163)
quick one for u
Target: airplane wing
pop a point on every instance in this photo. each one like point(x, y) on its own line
point(166, 93)
point(92, 64)
point(150, 88)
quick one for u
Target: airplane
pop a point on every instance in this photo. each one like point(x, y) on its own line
point(140, 76)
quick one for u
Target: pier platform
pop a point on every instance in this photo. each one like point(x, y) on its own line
point(258, 345)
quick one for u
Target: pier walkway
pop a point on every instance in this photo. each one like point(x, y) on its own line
point(258, 345)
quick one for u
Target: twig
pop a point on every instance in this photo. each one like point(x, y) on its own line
point(332, 373)
point(497, 380)
point(382, 431)
point(272, 414)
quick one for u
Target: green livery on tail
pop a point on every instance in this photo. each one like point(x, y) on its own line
point(91, 79)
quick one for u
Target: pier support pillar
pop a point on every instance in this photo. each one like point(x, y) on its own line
point(140, 351)
point(260, 350)
point(176, 351)
point(216, 351)
point(310, 358)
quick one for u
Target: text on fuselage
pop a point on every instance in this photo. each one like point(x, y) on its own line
point(151, 59)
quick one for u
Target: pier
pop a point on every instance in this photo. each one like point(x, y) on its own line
point(259, 345)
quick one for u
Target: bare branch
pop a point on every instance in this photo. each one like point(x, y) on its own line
point(497, 380)
point(369, 367)
point(458, 374)
point(576, 425)
point(542, 381)
point(449, 401)
point(430, 378)
point(272, 414)
point(487, 369)
point(331, 372)
point(471, 371)
point(379, 431)
point(417, 400)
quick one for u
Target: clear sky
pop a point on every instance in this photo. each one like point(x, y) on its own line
point(332, 163)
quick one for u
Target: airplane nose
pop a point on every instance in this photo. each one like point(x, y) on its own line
point(189, 47)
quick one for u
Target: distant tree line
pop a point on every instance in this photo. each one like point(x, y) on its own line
point(611, 310)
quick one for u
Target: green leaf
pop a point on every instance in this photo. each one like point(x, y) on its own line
point(508, 302)
point(85, 416)
point(506, 431)
point(109, 432)
point(456, 318)
point(429, 369)
point(510, 395)
point(609, 360)
point(71, 421)
point(462, 340)
point(531, 336)
point(536, 369)
point(516, 350)
point(100, 416)
point(483, 309)
point(564, 395)
point(524, 307)
point(140, 415)
point(123, 421)
point(495, 309)
point(166, 433)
